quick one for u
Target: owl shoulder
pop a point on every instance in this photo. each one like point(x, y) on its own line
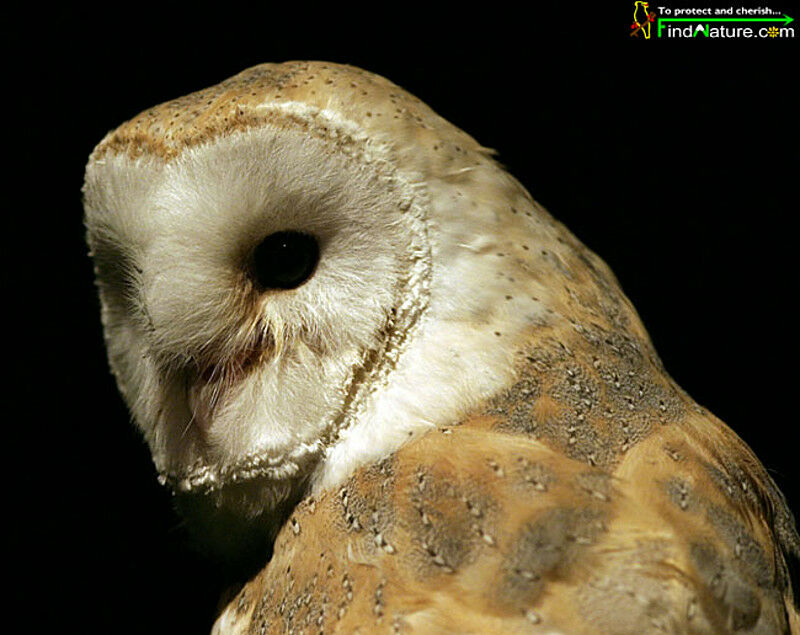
point(476, 529)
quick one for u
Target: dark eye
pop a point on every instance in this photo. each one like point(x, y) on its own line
point(285, 260)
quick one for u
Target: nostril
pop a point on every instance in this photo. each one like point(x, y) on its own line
point(285, 260)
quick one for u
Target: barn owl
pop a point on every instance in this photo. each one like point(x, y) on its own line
point(348, 335)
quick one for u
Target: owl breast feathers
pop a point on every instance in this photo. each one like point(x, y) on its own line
point(344, 330)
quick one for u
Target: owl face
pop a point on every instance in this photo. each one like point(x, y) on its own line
point(227, 367)
point(301, 292)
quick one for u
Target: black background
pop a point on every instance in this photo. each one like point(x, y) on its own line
point(676, 161)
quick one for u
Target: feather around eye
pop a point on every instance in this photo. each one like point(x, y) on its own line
point(118, 274)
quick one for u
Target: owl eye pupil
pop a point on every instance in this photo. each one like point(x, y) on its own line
point(285, 260)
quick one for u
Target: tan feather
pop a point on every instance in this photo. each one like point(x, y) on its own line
point(502, 523)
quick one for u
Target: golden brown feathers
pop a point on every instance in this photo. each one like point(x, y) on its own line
point(593, 496)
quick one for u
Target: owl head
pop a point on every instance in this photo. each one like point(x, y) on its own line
point(300, 269)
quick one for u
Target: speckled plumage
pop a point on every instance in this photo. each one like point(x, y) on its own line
point(575, 489)
point(592, 496)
